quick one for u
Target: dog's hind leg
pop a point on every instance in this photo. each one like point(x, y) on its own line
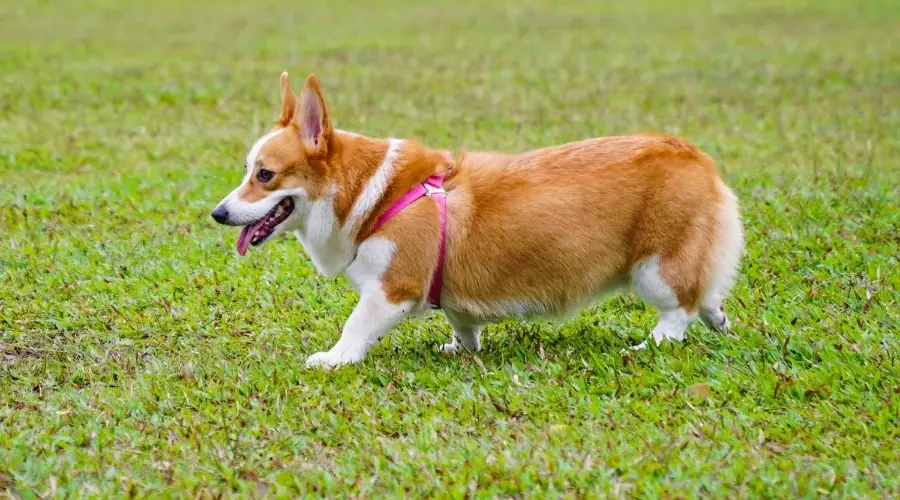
point(677, 309)
point(466, 334)
point(723, 264)
point(712, 313)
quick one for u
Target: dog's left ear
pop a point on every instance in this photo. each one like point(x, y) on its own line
point(288, 101)
point(312, 117)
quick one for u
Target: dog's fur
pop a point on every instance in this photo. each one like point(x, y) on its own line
point(541, 233)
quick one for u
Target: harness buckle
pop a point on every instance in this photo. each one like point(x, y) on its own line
point(430, 189)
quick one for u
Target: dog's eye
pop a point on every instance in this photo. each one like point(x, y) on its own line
point(264, 175)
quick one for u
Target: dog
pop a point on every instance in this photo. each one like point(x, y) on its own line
point(487, 236)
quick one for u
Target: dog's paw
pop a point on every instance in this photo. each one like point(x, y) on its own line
point(659, 336)
point(723, 326)
point(639, 347)
point(452, 348)
point(715, 319)
point(456, 347)
point(330, 359)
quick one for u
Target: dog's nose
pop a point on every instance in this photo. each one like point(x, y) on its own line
point(220, 214)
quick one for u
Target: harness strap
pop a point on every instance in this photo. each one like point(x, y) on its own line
point(434, 188)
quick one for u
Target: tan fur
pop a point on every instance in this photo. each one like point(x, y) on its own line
point(414, 262)
point(284, 155)
point(547, 227)
point(414, 165)
point(414, 230)
point(557, 223)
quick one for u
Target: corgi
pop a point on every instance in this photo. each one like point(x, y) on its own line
point(487, 236)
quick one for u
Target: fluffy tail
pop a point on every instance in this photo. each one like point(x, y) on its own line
point(726, 258)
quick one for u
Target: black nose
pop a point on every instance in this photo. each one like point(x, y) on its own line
point(220, 214)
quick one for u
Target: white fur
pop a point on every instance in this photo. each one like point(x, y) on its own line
point(647, 281)
point(374, 190)
point(713, 315)
point(489, 312)
point(467, 317)
point(319, 232)
point(671, 326)
point(330, 246)
point(466, 333)
point(372, 260)
point(726, 257)
point(723, 265)
point(374, 316)
point(242, 212)
point(257, 147)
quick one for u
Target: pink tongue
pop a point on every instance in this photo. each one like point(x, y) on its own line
point(243, 240)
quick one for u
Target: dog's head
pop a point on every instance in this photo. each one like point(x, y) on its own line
point(286, 169)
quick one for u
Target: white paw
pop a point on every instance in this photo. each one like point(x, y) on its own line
point(659, 340)
point(716, 319)
point(725, 326)
point(331, 359)
point(639, 347)
point(661, 334)
point(457, 347)
point(449, 348)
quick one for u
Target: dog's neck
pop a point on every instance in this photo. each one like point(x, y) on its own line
point(374, 174)
point(320, 233)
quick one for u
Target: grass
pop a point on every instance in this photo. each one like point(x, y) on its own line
point(140, 356)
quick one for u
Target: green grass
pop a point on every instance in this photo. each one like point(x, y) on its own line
point(140, 355)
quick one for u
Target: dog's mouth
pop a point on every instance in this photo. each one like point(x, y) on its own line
point(256, 232)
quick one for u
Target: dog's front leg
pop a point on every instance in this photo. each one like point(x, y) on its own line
point(373, 318)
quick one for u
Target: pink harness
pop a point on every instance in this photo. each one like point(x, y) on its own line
point(433, 187)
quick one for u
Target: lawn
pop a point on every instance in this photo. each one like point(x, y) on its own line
point(139, 355)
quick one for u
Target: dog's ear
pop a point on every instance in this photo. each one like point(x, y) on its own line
point(288, 101)
point(312, 117)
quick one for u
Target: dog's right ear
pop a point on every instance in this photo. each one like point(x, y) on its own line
point(288, 101)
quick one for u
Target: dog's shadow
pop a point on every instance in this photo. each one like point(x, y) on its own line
point(601, 335)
